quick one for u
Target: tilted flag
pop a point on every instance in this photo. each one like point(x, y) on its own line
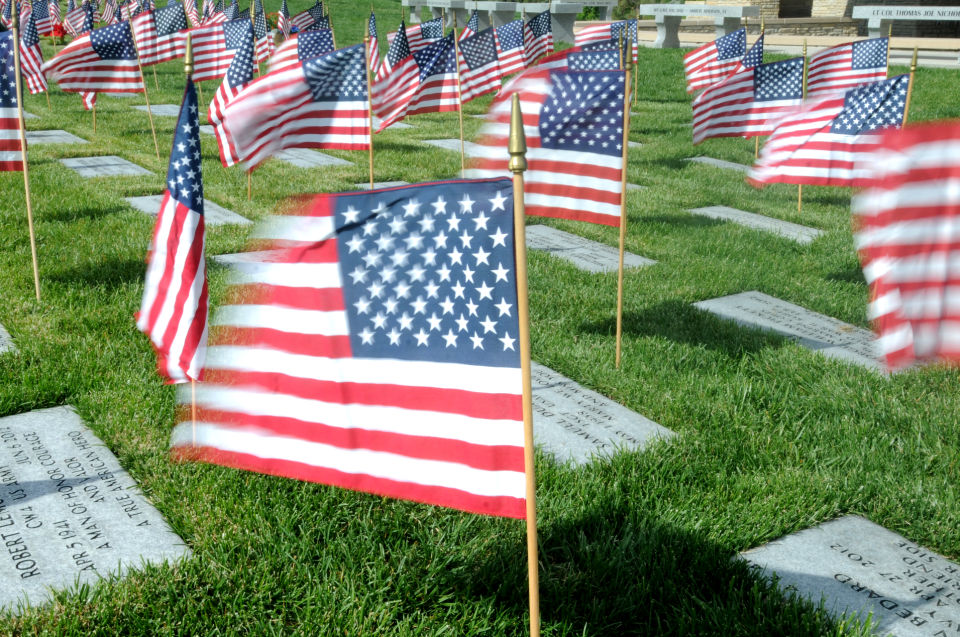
point(108, 14)
point(79, 20)
point(190, 9)
point(11, 151)
point(161, 34)
point(320, 103)
point(302, 46)
point(420, 36)
point(41, 13)
point(129, 9)
point(906, 229)
point(6, 16)
point(479, 67)
point(843, 67)
point(232, 10)
point(509, 39)
point(609, 31)
point(264, 41)
point(421, 82)
point(216, 17)
point(826, 140)
point(104, 60)
point(573, 122)
point(375, 349)
point(283, 19)
point(397, 51)
point(214, 46)
point(713, 61)
point(89, 100)
point(537, 37)
point(309, 17)
point(238, 76)
point(472, 27)
point(53, 7)
point(31, 59)
point(373, 61)
point(173, 312)
point(748, 102)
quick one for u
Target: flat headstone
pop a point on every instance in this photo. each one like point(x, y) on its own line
point(800, 234)
point(27, 115)
point(858, 568)
point(69, 511)
point(719, 163)
point(394, 126)
point(214, 215)
point(635, 187)
point(825, 334)
point(6, 343)
point(585, 254)
point(103, 166)
point(575, 424)
point(206, 129)
point(469, 148)
point(307, 158)
point(381, 184)
point(122, 95)
point(634, 145)
point(53, 137)
point(162, 110)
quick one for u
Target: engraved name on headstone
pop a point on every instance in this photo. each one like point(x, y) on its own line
point(800, 234)
point(6, 343)
point(53, 137)
point(68, 511)
point(825, 334)
point(306, 158)
point(162, 110)
point(719, 163)
point(213, 214)
point(858, 567)
point(103, 166)
point(575, 424)
point(585, 254)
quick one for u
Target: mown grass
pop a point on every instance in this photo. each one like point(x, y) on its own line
point(772, 438)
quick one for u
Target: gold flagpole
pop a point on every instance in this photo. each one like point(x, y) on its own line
point(913, 69)
point(133, 37)
point(518, 164)
point(249, 185)
point(627, 67)
point(366, 54)
point(199, 94)
point(803, 94)
point(456, 54)
point(47, 94)
point(15, 27)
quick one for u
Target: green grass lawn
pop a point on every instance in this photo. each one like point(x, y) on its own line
point(772, 438)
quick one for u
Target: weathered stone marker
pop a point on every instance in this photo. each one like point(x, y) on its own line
point(469, 148)
point(800, 234)
point(575, 424)
point(380, 184)
point(585, 254)
point(213, 214)
point(6, 343)
point(162, 110)
point(859, 567)
point(68, 511)
point(103, 166)
point(53, 137)
point(719, 163)
point(306, 158)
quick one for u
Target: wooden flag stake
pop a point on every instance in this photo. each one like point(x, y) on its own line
point(456, 54)
point(366, 55)
point(518, 163)
point(146, 96)
point(889, 39)
point(47, 94)
point(627, 68)
point(15, 27)
point(913, 70)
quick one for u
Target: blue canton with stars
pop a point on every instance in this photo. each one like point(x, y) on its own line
point(778, 81)
point(184, 179)
point(169, 19)
point(754, 56)
point(732, 46)
point(259, 21)
point(340, 75)
point(540, 24)
point(436, 59)
point(872, 107)
point(113, 42)
point(237, 33)
point(601, 45)
point(399, 48)
point(479, 50)
point(474, 22)
point(432, 29)
point(240, 70)
point(8, 80)
point(605, 60)
point(628, 28)
point(322, 24)
point(584, 112)
point(869, 54)
point(510, 35)
point(29, 36)
point(428, 272)
point(311, 44)
point(372, 26)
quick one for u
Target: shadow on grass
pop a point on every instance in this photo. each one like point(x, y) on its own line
point(683, 221)
point(850, 275)
point(109, 273)
point(70, 213)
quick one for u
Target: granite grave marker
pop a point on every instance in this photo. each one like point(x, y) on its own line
point(380, 184)
point(719, 163)
point(103, 166)
point(583, 253)
point(469, 148)
point(213, 214)
point(53, 137)
point(306, 158)
point(800, 234)
point(161, 110)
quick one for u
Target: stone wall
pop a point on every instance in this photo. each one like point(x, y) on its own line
point(794, 26)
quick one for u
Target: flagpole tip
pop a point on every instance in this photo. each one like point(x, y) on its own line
point(518, 141)
point(188, 56)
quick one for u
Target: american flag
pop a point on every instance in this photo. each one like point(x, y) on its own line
point(713, 61)
point(128, 10)
point(573, 122)
point(79, 20)
point(908, 220)
point(103, 60)
point(473, 25)
point(479, 67)
point(239, 74)
point(217, 17)
point(213, 48)
point(283, 19)
point(265, 45)
point(56, 17)
point(108, 14)
point(397, 51)
point(537, 37)
point(173, 312)
point(88, 99)
point(161, 34)
point(509, 38)
point(377, 353)
point(824, 142)
point(309, 17)
point(31, 59)
point(6, 16)
point(420, 36)
point(846, 66)
point(748, 103)
point(11, 152)
point(608, 31)
point(232, 11)
point(322, 22)
point(374, 58)
point(597, 60)
point(302, 46)
point(190, 8)
point(320, 103)
point(41, 13)
point(421, 82)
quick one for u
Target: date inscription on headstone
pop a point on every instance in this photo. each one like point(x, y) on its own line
point(859, 568)
point(68, 510)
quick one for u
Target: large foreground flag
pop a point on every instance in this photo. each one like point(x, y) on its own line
point(173, 312)
point(11, 152)
point(846, 66)
point(573, 122)
point(375, 348)
point(826, 140)
point(909, 240)
point(103, 60)
point(713, 61)
point(319, 103)
point(748, 102)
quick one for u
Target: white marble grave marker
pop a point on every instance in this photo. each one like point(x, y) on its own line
point(207, 129)
point(469, 148)
point(800, 234)
point(213, 214)
point(6, 343)
point(103, 166)
point(161, 110)
point(394, 126)
point(585, 254)
point(27, 115)
point(68, 510)
point(53, 137)
point(573, 423)
point(381, 184)
point(825, 334)
point(858, 567)
point(306, 158)
point(719, 163)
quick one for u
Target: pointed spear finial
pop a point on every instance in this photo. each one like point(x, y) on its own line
point(517, 146)
point(188, 56)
